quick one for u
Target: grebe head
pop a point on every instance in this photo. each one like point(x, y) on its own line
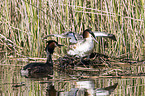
point(51, 44)
point(89, 34)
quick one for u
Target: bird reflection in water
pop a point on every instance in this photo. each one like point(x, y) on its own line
point(87, 88)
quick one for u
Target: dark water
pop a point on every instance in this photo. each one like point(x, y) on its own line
point(13, 84)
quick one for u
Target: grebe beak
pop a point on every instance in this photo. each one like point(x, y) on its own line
point(94, 39)
point(93, 36)
point(59, 45)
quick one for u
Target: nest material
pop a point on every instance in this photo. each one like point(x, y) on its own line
point(85, 66)
point(97, 65)
point(94, 60)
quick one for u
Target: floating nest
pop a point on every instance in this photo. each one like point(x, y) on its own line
point(94, 60)
point(85, 66)
point(97, 65)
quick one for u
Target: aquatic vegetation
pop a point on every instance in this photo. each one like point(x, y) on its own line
point(24, 23)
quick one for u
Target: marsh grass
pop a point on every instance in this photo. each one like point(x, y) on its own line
point(23, 24)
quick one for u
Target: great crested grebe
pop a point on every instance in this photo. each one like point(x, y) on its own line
point(40, 67)
point(83, 47)
point(83, 44)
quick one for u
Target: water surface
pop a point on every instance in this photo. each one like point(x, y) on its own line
point(13, 84)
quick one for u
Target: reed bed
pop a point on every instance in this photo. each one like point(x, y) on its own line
point(23, 24)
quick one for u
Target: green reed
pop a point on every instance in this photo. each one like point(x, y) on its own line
point(25, 23)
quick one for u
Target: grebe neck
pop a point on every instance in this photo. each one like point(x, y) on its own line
point(49, 59)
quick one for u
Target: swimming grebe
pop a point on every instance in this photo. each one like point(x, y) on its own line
point(40, 67)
